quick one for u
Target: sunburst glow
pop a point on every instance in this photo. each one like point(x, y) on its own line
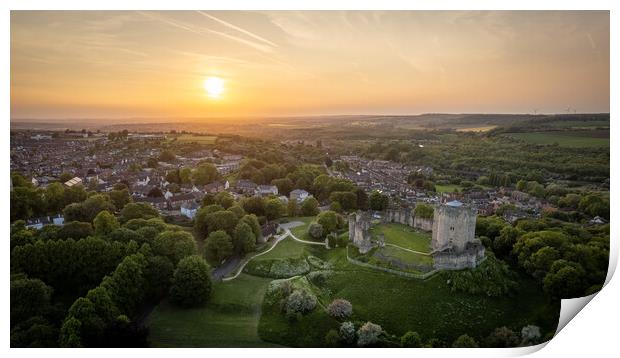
point(214, 87)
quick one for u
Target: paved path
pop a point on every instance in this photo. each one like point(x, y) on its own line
point(227, 268)
point(403, 248)
point(278, 239)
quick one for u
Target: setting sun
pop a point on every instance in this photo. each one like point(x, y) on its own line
point(214, 87)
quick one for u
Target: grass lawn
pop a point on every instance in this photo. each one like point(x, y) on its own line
point(286, 248)
point(401, 304)
point(576, 138)
point(404, 236)
point(448, 188)
point(229, 319)
point(406, 256)
point(201, 139)
point(301, 232)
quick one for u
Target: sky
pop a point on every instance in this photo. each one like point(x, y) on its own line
point(150, 64)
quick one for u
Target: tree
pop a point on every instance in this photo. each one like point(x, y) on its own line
point(411, 340)
point(502, 337)
point(185, 175)
point(565, 279)
point(167, 156)
point(221, 220)
point(158, 276)
point(54, 196)
point(347, 332)
point(378, 201)
point(70, 333)
point(218, 246)
point(138, 211)
point(205, 173)
point(502, 245)
point(332, 338)
point(244, 240)
point(292, 209)
point(191, 283)
point(105, 223)
point(309, 207)
point(96, 204)
point(530, 335)
point(152, 163)
point(225, 199)
point(274, 209)
point(362, 199)
point(368, 334)
point(29, 298)
point(329, 221)
point(155, 192)
point(75, 230)
point(346, 199)
point(465, 341)
point(175, 245)
point(254, 205)
point(120, 198)
point(252, 221)
point(285, 185)
point(65, 177)
point(340, 308)
point(424, 211)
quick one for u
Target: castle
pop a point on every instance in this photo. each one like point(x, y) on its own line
point(453, 243)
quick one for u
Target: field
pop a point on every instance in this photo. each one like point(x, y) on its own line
point(448, 188)
point(301, 232)
point(200, 139)
point(400, 304)
point(572, 138)
point(237, 315)
point(229, 319)
point(404, 236)
point(476, 129)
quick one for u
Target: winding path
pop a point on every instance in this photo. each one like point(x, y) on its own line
point(406, 249)
point(287, 232)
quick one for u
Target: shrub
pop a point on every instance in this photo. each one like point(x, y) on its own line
point(465, 341)
point(340, 308)
point(332, 338)
point(300, 301)
point(411, 340)
point(502, 337)
point(332, 240)
point(530, 335)
point(315, 230)
point(347, 332)
point(368, 334)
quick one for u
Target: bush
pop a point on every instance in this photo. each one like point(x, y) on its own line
point(300, 301)
point(530, 335)
point(340, 308)
point(332, 338)
point(347, 332)
point(465, 341)
point(411, 340)
point(315, 230)
point(502, 337)
point(368, 334)
point(332, 240)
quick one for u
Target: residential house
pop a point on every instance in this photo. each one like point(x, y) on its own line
point(189, 210)
point(264, 190)
point(299, 195)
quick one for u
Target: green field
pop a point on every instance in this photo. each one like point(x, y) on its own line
point(230, 319)
point(407, 256)
point(571, 138)
point(301, 232)
point(448, 188)
point(400, 304)
point(237, 317)
point(404, 236)
point(200, 139)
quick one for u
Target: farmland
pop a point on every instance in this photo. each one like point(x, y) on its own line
point(571, 138)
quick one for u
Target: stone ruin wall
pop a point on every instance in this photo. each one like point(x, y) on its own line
point(406, 217)
point(453, 227)
point(359, 231)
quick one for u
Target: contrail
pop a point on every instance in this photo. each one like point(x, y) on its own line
point(228, 24)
